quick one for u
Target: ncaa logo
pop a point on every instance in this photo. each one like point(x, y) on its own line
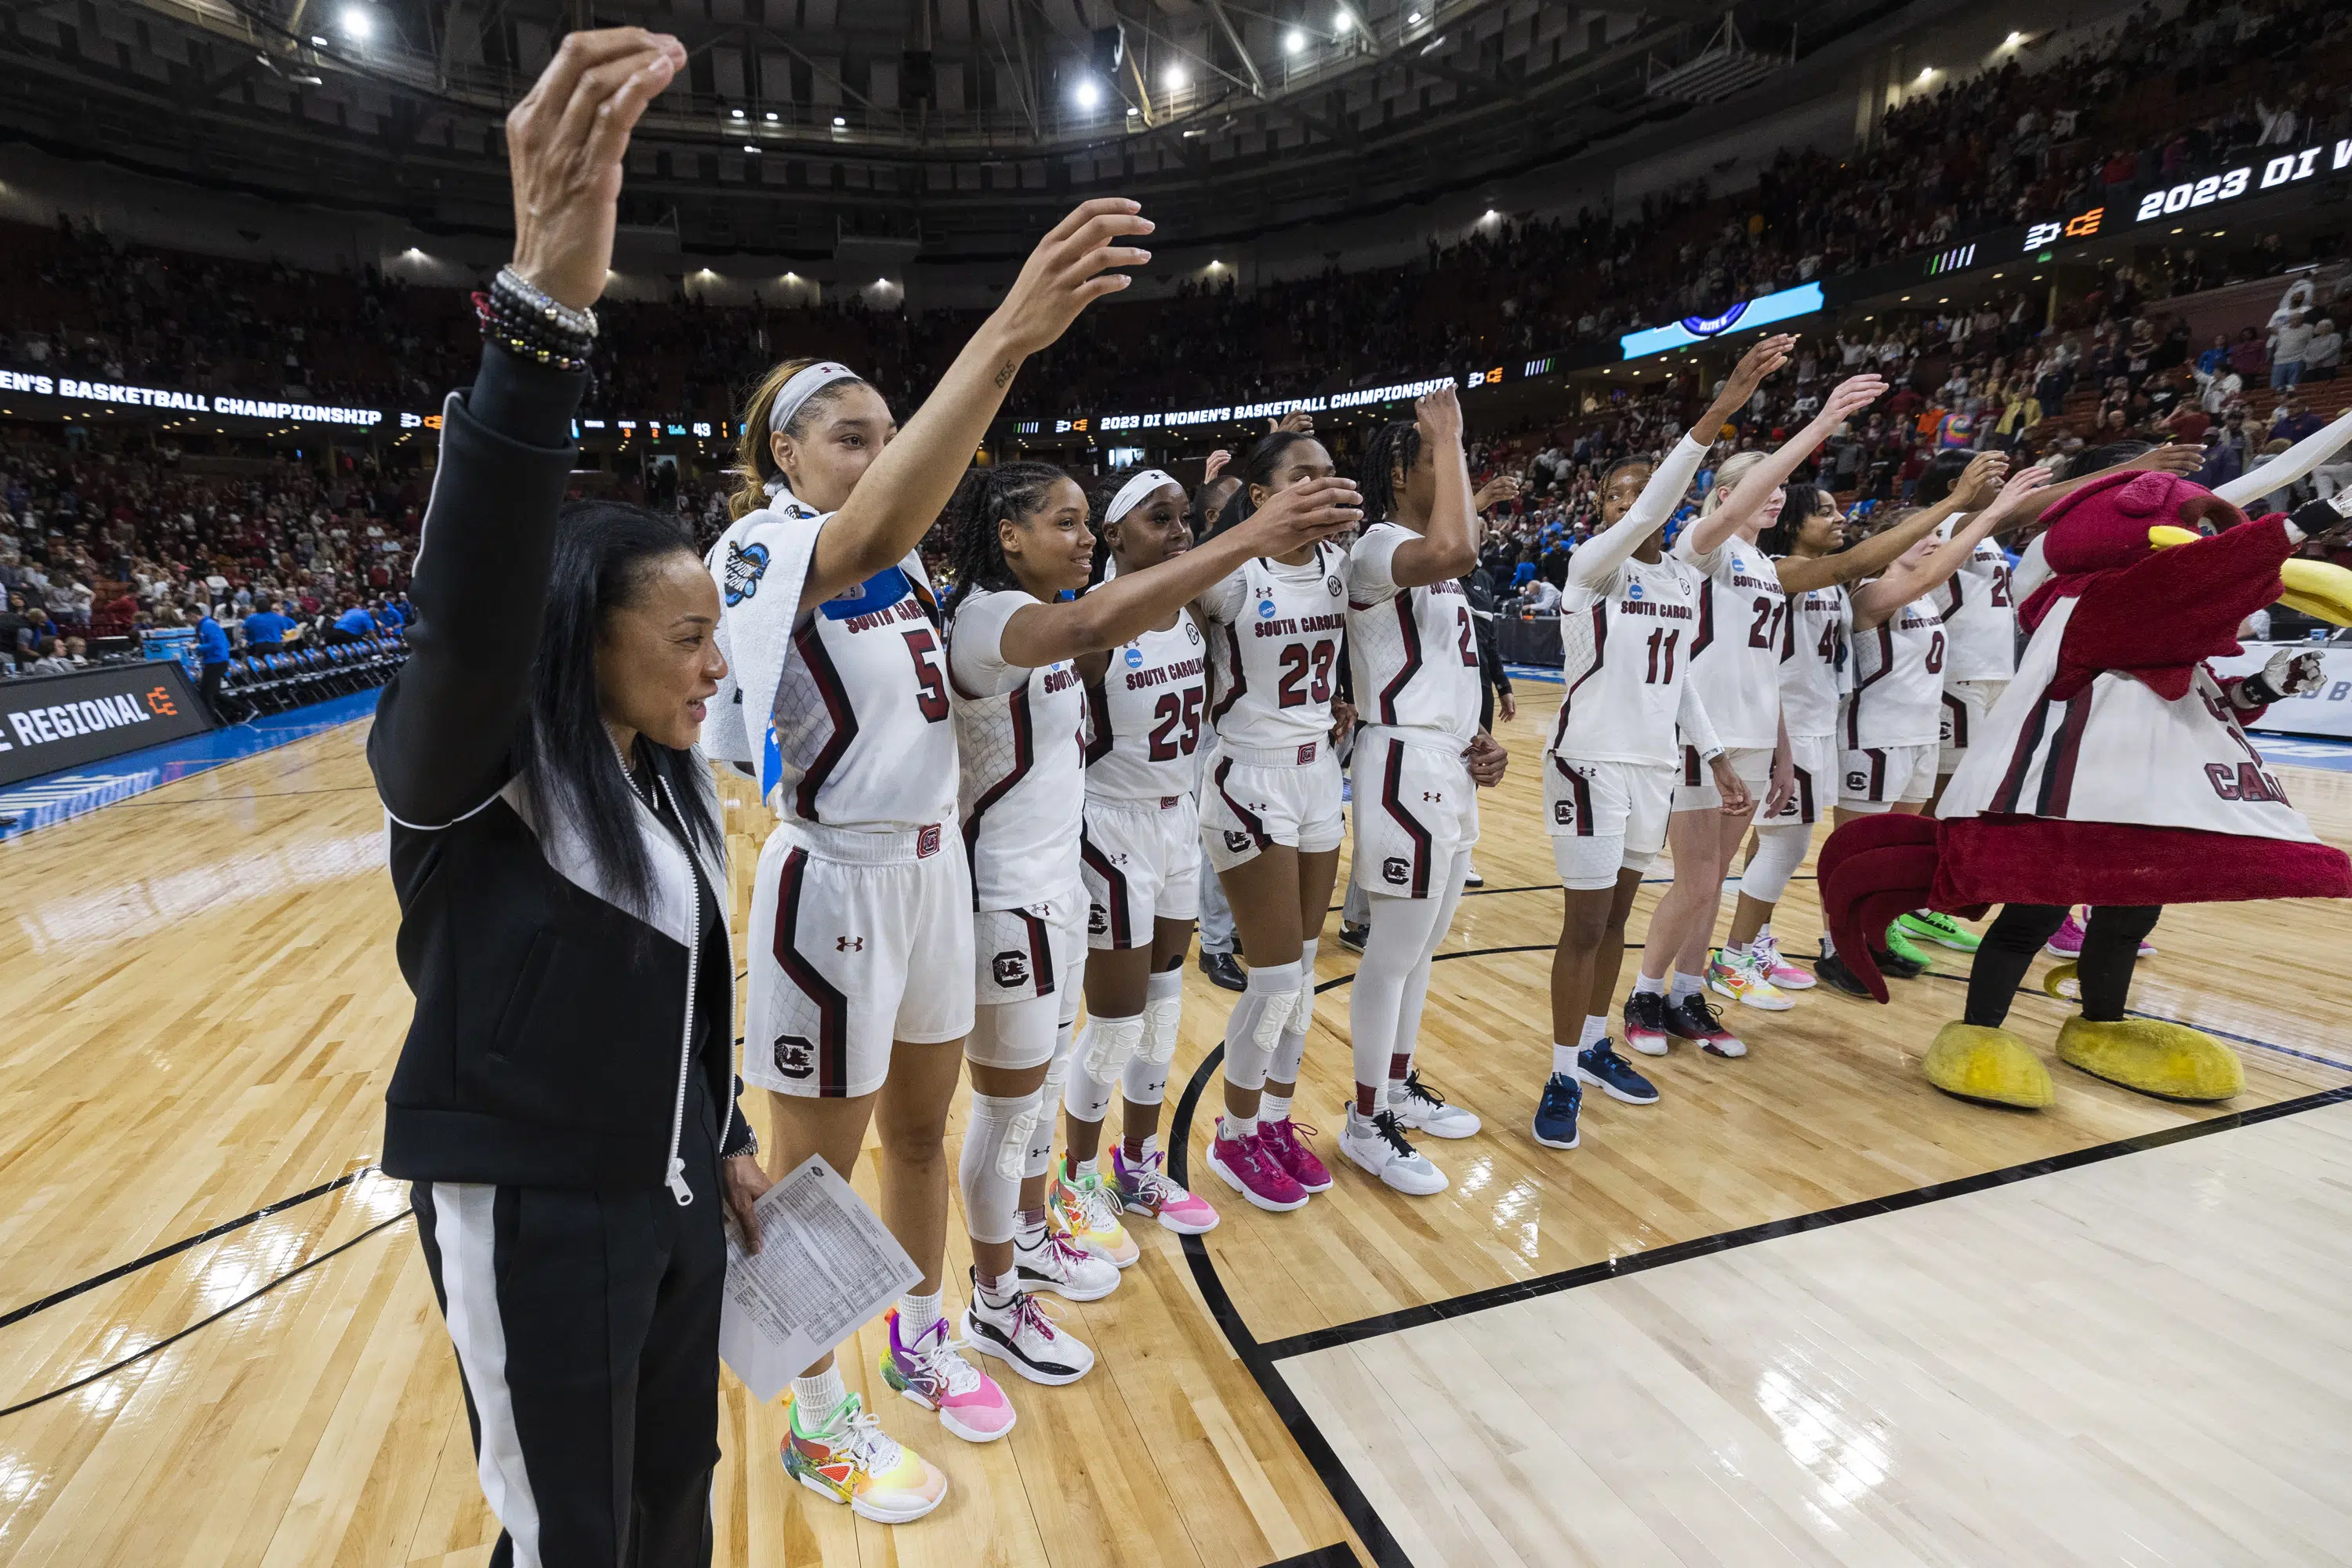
point(1237, 842)
point(1396, 868)
point(795, 1056)
point(1011, 967)
point(1632, 590)
point(1266, 609)
point(1134, 657)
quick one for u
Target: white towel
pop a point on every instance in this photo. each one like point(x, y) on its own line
point(761, 564)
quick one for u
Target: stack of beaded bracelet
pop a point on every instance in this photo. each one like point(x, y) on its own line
point(526, 322)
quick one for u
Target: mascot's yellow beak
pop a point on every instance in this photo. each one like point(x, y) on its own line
point(2320, 589)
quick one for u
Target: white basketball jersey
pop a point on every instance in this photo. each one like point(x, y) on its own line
point(1024, 783)
point(1274, 650)
point(1743, 636)
point(1413, 650)
point(1818, 669)
point(1980, 616)
point(850, 702)
point(1898, 680)
point(2118, 751)
point(1144, 721)
point(1627, 653)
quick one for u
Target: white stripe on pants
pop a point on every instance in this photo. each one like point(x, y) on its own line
point(463, 1228)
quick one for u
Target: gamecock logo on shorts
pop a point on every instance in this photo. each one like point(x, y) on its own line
point(1857, 783)
point(795, 1056)
point(1097, 920)
point(1397, 868)
point(1564, 813)
point(1011, 967)
point(1237, 842)
point(927, 841)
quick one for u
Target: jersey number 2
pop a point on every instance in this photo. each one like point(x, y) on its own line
point(933, 697)
point(1469, 639)
point(1169, 711)
point(1293, 690)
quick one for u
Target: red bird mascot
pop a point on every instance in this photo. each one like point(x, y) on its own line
point(2115, 771)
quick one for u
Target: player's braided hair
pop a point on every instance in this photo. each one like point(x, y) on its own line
point(1394, 446)
point(1802, 502)
point(986, 499)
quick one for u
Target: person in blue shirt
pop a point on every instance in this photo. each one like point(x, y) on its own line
point(386, 619)
point(266, 630)
point(354, 624)
point(211, 654)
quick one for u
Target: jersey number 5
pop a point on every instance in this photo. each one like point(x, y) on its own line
point(933, 697)
point(1293, 690)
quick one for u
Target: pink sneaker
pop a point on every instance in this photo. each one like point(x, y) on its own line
point(1777, 969)
point(934, 1375)
point(2066, 942)
point(1145, 1187)
point(1284, 1146)
point(1250, 1171)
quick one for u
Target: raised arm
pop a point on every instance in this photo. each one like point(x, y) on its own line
point(2291, 466)
point(1978, 484)
point(1747, 498)
point(1906, 581)
point(900, 497)
point(447, 724)
point(1450, 548)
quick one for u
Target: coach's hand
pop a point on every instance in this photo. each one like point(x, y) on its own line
point(1070, 270)
point(741, 1183)
point(1487, 758)
point(566, 142)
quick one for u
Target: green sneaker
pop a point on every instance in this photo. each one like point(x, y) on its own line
point(1902, 948)
point(1942, 930)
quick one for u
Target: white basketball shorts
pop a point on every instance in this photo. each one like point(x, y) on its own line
point(1142, 863)
point(1604, 817)
point(1816, 762)
point(1874, 778)
point(1253, 799)
point(1966, 704)
point(1415, 810)
point(1695, 789)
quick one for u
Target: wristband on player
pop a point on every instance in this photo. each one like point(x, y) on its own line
point(2318, 519)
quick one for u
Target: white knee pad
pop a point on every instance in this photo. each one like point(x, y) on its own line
point(1779, 851)
point(1041, 1136)
point(995, 1154)
point(1104, 1049)
point(1161, 1018)
point(1292, 1048)
point(1254, 1030)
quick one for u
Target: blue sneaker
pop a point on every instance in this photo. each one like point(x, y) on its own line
point(1555, 1114)
point(1600, 1065)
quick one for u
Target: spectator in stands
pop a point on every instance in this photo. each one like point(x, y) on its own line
point(47, 660)
point(2291, 421)
point(266, 630)
point(353, 624)
point(2290, 341)
point(2325, 353)
point(15, 632)
point(212, 657)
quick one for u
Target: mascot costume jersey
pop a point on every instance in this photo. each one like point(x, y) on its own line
point(2116, 772)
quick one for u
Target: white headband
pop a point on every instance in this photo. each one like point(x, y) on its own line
point(805, 383)
point(1131, 494)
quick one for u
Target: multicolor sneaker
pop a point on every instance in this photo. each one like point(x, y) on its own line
point(2066, 942)
point(1087, 1211)
point(1018, 1330)
point(1145, 1187)
point(1645, 1023)
point(933, 1373)
point(1045, 1259)
point(1556, 1111)
point(851, 1460)
point(1929, 925)
point(1692, 1019)
point(1246, 1167)
point(1284, 1146)
point(1903, 948)
point(1777, 969)
point(1424, 1110)
point(1740, 977)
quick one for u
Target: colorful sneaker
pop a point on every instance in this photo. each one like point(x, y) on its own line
point(1928, 925)
point(934, 1375)
point(1421, 1108)
point(1694, 1020)
point(1284, 1146)
point(1251, 1172)
point(1601, 1067)
point(1145, 1187)
point(1380, 1146)
point(1740, 977)
point(1020, 1331)
point(1777, 969)
point(2146, 948)
point(2066, 942)
point(1645, 1024)
point(1902, 947)
point(851, 1460)
point(1086, 1210)
point(1556, 1111)
point(1051, 1261)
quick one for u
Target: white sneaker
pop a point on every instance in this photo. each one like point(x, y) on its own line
point(1020, 1332)
point(1053, 1262)
point(1380, 1147)
point(1424, 1110)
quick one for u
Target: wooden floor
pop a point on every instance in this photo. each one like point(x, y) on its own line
point(202, 1009)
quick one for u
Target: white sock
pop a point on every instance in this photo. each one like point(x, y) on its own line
point(1151, 1144)
point(1596, 1029)
point(1740, 948)
point(1643, 985)
point(1563, 1060)
point(1239, 1126)
point(1273, 1108)
point(819, 1393)
point(997, 1293)
point(1685, 985)
point(1088, 1167)
point(917, 1313)
point(1029, 1227)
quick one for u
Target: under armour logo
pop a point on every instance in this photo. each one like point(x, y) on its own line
point(849, 944)
point(1431, 794)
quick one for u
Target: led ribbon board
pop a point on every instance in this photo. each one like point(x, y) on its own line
point(1760, 311)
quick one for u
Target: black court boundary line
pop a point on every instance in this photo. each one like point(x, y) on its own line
point(58, 1297)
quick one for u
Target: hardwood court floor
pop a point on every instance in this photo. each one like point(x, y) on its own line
point(202, 1010)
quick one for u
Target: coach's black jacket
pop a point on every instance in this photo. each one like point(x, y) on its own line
point(550, 1044)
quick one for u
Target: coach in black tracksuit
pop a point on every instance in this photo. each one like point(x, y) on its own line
point(565, 1105)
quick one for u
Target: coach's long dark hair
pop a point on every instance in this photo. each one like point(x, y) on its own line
point(986, 498)
point(603, 553)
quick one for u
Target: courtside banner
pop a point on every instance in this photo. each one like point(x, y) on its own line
point(52, 721)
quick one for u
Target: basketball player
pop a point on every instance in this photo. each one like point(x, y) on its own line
point(1734, 656)
point(1808, 544)
point(839, 699)
point(1889, 737)
point(1020, 540)
point(1419, 756)
point(1628, 616)
point(1141, 859)
point(1270, 819)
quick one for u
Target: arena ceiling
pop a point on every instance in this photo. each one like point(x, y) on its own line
point(963, 123)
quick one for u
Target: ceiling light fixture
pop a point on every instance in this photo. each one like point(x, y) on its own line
point(359, 21)
point(1087, 93)
point(838, 122)
point(1173, 78)
point(1293, 41)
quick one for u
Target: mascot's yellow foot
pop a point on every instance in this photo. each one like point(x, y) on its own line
point(1988, 1064)
point(2153, 1056)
